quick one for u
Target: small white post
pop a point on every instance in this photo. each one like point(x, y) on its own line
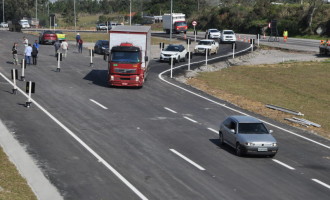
point(171, 67)
point(234, 50)
point(206, 52)
point(58, 62)
point(28, 103)
point(252, 44)
point(14, 80)
point(258, 39)
point(188, 55)
point(91, 52)
point(23, 70)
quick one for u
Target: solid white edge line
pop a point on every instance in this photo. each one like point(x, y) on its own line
point(97, 103)
point(170, 110)
point(187, 159)
point(160, 76)
point(82, 143)
point(213, 130)
point(321, 183)
point(283, 164)
point(187, 118)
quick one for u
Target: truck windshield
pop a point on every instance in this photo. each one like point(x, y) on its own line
point(125, 57)
point(181, 23)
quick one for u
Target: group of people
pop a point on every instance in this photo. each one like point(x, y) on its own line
point(325, 42)
point(33, 50)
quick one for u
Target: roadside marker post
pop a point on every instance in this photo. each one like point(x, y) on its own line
point(206, 54)
point(14, 76)
point(252, 44)
point(171, 67)
point(189, 56)
point(234, 47)
point(30, 88)
point(23, 66)
point(258, 39)
point(91, 53)
point(161, 45)
point(59, 59)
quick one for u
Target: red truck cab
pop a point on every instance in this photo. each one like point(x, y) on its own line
point(180, 26)
point(125, 66)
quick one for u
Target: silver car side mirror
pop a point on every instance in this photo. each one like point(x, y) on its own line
point(271, 131)
point(232, 130)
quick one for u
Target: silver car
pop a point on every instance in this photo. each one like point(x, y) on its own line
point(247, 135)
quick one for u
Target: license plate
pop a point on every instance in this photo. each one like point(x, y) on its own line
point(262, 149)
point(124, 83)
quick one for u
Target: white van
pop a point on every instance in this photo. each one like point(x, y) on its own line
point(24, 23)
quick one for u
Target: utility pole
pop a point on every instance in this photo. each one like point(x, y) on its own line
point(171, 21)
point(37, 13)
point(3, 10)
point(75, 18)
point(130, 12)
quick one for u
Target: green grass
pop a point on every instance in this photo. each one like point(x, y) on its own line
point(12, 185)
point(303, 87)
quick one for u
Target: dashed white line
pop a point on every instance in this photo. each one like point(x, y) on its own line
point(82, 143)
point(187, 159)
point(283, 164)
point(170, 110)
point(190, 119)
point(321, 183)
point(97, 103)
point(213, 130)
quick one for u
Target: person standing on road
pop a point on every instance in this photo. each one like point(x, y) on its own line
point(28, 52)
point(36, 44)
point(64, 47)
point(77, 39)
point(25, 42)
point(57, 46)
point(34, 54)
point(80, 45)
point(15, 56)
point(285, 35)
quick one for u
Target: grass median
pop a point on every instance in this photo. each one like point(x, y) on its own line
point(300, 86)
point(12, 185)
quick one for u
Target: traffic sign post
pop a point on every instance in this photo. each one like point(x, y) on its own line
point(194, 23)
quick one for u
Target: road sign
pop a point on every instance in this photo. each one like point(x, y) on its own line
point(194, 23)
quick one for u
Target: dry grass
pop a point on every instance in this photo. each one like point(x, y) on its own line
point(303, 87)
point(12, 185)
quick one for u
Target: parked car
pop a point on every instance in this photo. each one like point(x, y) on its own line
point(47, 37)
point(101, 46)
point(227, 36)
point(4, 25)
point(60, 35)
point(101, 27)
point(175, 51)
point(212, 33)
point(211, 45)
point(247, 135)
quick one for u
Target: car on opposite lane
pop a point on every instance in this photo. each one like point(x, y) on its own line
point(47, 37)
point(212, 33)
point(247, 135)
point(210, 45)
point(227, 36)
point(101, 46)
point(175, 51)
point(4, 25)
point(101, 27)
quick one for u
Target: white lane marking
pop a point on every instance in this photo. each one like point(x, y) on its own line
point(187, 159)
point(213, 130)
point(97, 103)
point(82, 143)
point(160, 76)
point(321, 183)
point(283, 164)
point(170, 110)
point(190, 119)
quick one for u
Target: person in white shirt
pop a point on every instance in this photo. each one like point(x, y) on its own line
point(64, 47)
point(25, 42)
point(27, 52)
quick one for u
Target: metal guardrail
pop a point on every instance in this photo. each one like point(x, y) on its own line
point(303, 122)
point(284, 110)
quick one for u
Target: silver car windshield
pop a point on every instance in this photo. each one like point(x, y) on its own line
point(252, 128)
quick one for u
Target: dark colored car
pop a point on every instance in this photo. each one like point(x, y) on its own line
point(247, 135)
point(101, 46)
point(47, 37)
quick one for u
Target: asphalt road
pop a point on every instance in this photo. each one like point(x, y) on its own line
point(158, 142)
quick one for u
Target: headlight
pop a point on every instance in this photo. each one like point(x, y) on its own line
point(249, 144)
point(137, 78)
point(274, 144)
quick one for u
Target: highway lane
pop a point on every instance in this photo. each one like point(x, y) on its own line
point(136, 133)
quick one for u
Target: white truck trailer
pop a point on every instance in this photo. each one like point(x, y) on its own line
point(129, 55)
point(178, 25)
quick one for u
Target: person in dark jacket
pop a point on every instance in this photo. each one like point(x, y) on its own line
point(34, 55)
point(80, 43)
point(57, 46)
point(15, 57)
